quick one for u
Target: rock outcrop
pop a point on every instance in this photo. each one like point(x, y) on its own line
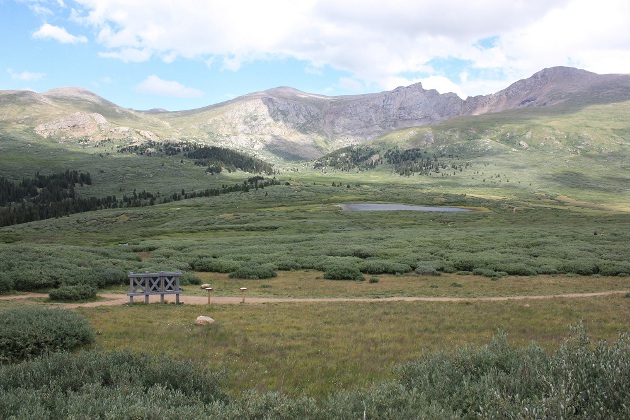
point(290, 124)
point(204, 320)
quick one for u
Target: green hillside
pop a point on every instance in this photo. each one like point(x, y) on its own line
point(578, 152)
point(548, 191)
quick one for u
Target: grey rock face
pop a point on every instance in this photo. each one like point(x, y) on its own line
point(288, 123)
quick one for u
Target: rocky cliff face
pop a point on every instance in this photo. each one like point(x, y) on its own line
point(292, 124)
point(92, 127)
point(339, 121)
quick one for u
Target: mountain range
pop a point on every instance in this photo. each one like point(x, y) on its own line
point(285, 123)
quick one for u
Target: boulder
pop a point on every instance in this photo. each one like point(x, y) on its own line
point(203, 320)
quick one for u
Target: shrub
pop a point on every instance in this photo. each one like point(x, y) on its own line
point(517, 269)
point(28, 332)
point(447, 268)
point(613, 268)
point(117, 384)
point(465, 264)
point(31, 280)
point(311, 263)
point(109, 276)
point(255, 271)
point(342, 272)
point(6, 283)
point(427, 270)
point(547, 269)
point(73, 292)
point(373, 279)
point(78, 277)
point(488, 272)
point(581, 267)
point(214, 265)
point(288, 264)
point(363, 253)
point(580, 380)
point(383, 267)
point(189, 278)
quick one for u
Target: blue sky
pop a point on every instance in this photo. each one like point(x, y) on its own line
point(187, 54)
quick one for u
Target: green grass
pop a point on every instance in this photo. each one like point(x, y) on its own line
point(312, 284)
point(318, 348)
point(542, 209)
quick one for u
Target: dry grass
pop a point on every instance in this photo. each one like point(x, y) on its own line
point(312, 284)
point(318, 348)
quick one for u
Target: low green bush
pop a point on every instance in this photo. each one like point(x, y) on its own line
point(311, 263)
point(580, 380)
point(28, 332)
point(31, 280)
point(109, 276)
point(488, 272)
point(6, 283)
point(214, 265)
point(345, 251)
point(447, 268)
point(189, 278)
point(121, 384)
point(288, 264)
point(427, 270)
point(79, 277)
point(517, 269)
point(73, 292)
point(255, 271)
point(343, 272)
point(465, 264)
point(547, 269)
point(383, 267)
point(582, 267)
point(613, 268)
point(363, 253)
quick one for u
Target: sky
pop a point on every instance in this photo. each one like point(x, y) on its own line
point(187, 54)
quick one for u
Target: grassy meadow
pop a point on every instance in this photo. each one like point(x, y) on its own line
point(318, 348)
point(545, 220)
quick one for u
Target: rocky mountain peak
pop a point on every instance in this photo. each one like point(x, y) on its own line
point(286, 121)
point(76, 94)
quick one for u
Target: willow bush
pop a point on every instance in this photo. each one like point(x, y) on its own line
point(343, 272)
point(73, 292)
point(29, 332)
point(96, 384)
point(580, 380)
point(6, 283)
point(254, 271)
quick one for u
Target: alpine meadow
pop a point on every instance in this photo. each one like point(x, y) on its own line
point(498, 288)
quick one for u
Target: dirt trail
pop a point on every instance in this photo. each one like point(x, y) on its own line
point(113, 299)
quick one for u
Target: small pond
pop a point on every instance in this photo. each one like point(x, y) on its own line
point(395, 207)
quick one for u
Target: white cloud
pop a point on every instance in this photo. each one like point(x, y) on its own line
point(375, 41)
point(155, 86)
point(442, 85)
point(134, 55)
point(583, 33)
point(347, 83)
point(57, 33)
point(26, 76)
